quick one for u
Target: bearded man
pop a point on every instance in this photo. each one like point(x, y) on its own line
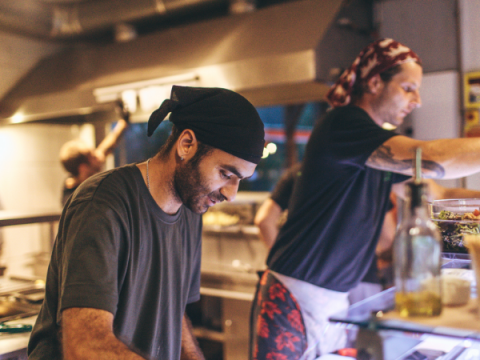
point(126, 260)
point(340, 199)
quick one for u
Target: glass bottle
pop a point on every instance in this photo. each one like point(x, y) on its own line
point(417, 257)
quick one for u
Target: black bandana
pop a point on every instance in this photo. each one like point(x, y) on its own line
point(219, 117)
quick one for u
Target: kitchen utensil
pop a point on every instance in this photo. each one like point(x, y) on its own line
point(15, 328)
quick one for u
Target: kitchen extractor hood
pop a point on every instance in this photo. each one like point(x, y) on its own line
point(283, 54)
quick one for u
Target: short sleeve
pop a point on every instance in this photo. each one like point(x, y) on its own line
point(398, 178)
point(354, 136)
point(90, 258)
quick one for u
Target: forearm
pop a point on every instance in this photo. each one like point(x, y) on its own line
point(268, 233)
point(88, 334)
point(266, 219)
point(103, 348)
point(108, 144)
point(458, 157)
point(438, 192)
point(190, 349)
point(387, 233)
point(459, 193)
point(441, 159)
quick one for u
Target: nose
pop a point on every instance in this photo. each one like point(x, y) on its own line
point(229, 191)
point(417, 101)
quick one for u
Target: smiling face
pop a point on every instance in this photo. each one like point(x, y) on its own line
point(213, 179)
point(397, 98)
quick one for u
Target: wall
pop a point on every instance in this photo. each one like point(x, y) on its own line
point(427, 26)
point(469, 11)
point(416, 24)
point(440, 114)
point(31, 178)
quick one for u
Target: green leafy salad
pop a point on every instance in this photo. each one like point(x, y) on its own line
point(452, 226)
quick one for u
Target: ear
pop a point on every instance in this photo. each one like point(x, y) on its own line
point(186, 144)
point(375, 84)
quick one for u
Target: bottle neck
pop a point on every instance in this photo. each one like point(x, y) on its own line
point(419, 211)
point(416, 201)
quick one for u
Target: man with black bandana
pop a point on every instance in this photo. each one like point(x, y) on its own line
point(126, 260)
point(335, 215)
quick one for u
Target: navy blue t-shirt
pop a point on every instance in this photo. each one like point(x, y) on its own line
point(338, 204)
point(116, 250)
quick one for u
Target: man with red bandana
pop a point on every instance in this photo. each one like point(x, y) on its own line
point(340, 199)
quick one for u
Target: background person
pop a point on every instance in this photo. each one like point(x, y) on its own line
point(127, 256)
point(270, 216)
point(82, 161)
point(351, 165)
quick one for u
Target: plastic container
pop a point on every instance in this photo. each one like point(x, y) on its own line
point(455, 218)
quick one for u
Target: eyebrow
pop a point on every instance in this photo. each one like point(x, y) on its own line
point(234, 171)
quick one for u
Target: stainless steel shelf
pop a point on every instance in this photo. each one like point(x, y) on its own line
point(9, 218)
point(204, 333)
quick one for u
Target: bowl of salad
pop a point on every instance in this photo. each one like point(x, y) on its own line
point(454, 218)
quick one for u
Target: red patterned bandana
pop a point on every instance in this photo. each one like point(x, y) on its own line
point(374, 59)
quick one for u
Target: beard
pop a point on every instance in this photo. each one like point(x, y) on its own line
point(385, 109)
point(191, 188)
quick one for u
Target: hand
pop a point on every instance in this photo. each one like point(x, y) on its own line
point(123, 111)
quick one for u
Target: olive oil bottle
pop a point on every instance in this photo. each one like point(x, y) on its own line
point(417, 254)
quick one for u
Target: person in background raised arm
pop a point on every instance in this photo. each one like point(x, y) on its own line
point(339, 202)
point(127, 257)
point(82, 161)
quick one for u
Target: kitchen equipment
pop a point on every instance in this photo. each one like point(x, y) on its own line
point(456, 218)
point(473, 244)
point(15, 328)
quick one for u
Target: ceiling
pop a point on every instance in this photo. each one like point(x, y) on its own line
point(28, 35)
point(102, 20)
point(272, 53)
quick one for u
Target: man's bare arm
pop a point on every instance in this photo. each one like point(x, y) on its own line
point(88, 334)
point(111, 140)
point(387, 234)
point(190, 349)
point(266, 219)
point(438, 192)
point(441, 159)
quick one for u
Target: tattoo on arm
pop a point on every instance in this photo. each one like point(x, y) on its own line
point(383, 159)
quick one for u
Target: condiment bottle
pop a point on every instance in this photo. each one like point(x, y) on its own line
point(417, 254)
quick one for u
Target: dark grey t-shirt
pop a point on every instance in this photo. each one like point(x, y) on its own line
point(116, 250)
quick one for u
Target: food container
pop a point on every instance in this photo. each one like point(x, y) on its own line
point(472, 243)
point(456, 218)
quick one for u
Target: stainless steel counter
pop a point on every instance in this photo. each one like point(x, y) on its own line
point(14, 346)
point(9, 218)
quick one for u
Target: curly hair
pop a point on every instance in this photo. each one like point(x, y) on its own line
point(73, 154)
